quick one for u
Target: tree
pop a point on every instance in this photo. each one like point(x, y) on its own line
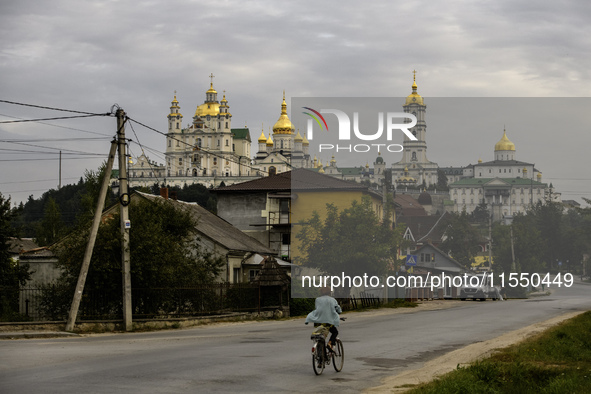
point(51, 227)
point(352, 242)
point(481, 214)
point(11, 273)
point(165, 254)
point(462, 240)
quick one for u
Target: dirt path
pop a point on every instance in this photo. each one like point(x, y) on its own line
point(448, 362)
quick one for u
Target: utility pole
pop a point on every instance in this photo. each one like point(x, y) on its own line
point(59, 185)
point(490, 242)
point(513, 269)
point(125, 223)
point(91, 240)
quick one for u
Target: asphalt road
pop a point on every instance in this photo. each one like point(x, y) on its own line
point(270, 356)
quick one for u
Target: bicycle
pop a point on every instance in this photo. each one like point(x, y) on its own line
point(322, 355)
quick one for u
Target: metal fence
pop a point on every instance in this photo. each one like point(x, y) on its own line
point(52, 303)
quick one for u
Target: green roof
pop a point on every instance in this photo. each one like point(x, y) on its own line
point(241, 134)
point(351, 170)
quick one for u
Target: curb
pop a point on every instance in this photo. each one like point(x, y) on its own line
point(35, 334)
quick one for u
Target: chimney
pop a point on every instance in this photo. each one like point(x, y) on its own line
point(164, 192)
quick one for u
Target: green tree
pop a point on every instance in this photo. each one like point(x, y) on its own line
point(165, 254)
point(462, 239)
point(352, 242)
point(51, 227)
point(11, 273)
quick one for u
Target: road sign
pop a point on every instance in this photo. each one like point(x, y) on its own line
point(411, 260)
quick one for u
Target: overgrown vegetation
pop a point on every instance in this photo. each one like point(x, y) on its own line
point(166, 254)
point(557, 361)
point(12, 275)
point(58, 211)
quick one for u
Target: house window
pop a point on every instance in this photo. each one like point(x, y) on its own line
point(252, 274)
point(236, 275)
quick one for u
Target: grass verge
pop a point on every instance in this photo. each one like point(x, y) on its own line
point(556, 361)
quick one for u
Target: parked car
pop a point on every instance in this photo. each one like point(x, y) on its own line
point(481, 291)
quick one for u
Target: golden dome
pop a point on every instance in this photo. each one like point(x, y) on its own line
point(269, 141)
point(262, 138)
point(479, 161)
point(321, 170)
point(283, 125)
point(212, 109)
point(504, 143)
point(298, 137)
point(305, 142)
point(211, 89)
point(414, 97)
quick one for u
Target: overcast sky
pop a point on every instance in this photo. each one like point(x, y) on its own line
point(90, 55)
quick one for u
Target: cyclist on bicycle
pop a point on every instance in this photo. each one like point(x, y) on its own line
point(326, 313)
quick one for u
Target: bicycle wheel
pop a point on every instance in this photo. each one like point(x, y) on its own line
point(338, 356)
point(318, 358)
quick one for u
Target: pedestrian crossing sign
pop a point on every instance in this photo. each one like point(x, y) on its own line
point(411, 260)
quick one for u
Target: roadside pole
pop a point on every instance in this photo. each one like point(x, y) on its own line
point(91, 240)
point(124, 200)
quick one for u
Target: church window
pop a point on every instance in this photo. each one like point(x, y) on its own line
point(489, 170)
point(471, 191)
point(177, 125)
point(215, 161)
point(233, 148)
point(199, 142)
point(218, 142)
point(178, 142)
point(226, 125)
point(219, 125)
point(414, 156)
point(180, 161)
point(169, 142)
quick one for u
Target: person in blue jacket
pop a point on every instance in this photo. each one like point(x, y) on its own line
point(326, 313)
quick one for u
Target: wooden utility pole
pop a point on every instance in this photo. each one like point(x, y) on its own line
point(124, 200)
point(91, 239)
point(513, 268)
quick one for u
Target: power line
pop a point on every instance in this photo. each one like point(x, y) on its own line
point(57, 109)
point(60, 126)
point(203, 150)
point(41, 119)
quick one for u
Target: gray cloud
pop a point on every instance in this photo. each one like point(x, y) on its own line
point(89, 55)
